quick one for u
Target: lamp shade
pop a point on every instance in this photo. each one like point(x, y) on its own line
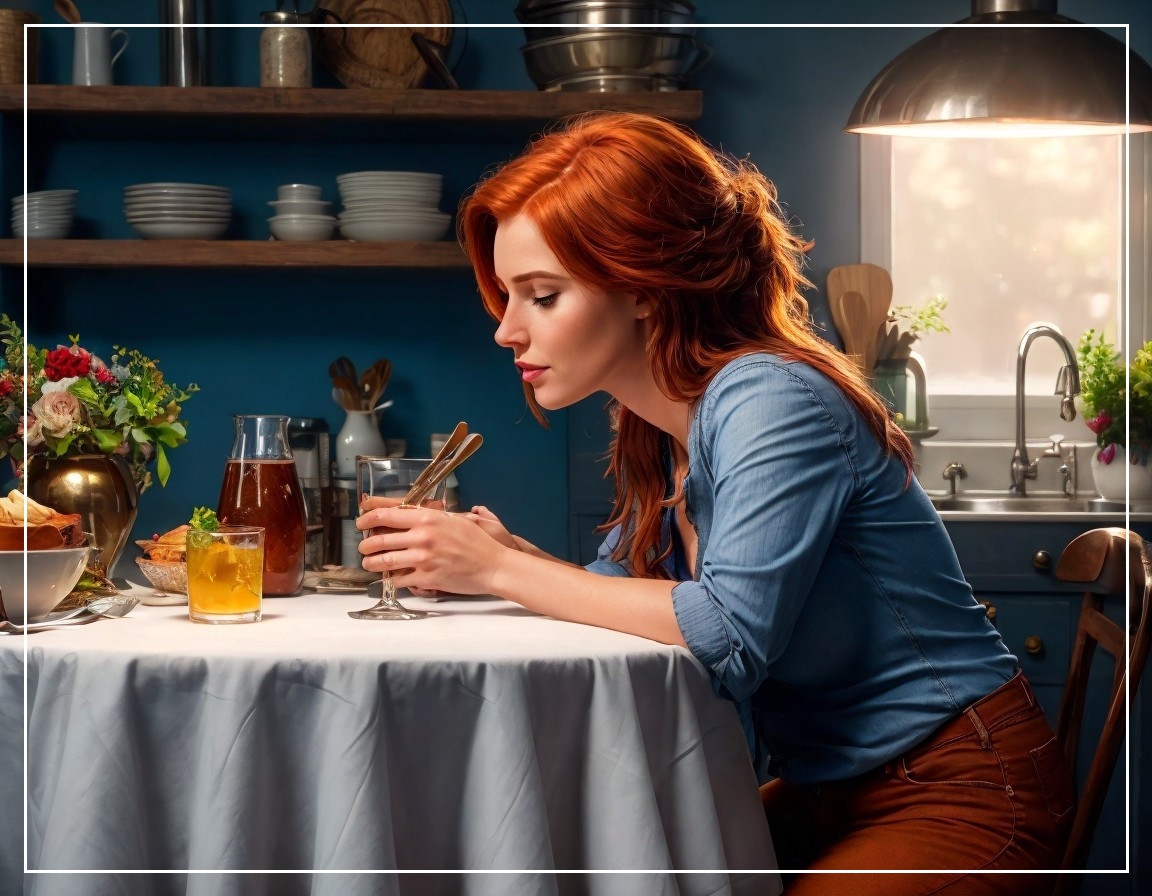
point(1038, 74)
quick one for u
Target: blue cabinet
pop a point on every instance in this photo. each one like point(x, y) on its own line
point(1011, 566)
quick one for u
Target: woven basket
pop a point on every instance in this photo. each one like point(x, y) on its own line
point(12, 22)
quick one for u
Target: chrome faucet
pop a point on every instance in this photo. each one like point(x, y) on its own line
point(1067, 386)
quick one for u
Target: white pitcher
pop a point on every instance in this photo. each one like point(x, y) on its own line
point(360, 434)
point(92, 56)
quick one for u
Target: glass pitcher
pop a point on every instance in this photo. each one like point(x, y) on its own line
point(261, 489)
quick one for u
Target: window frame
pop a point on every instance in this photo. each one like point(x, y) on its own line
point(992, 417)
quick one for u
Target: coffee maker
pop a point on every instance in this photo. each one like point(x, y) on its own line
point(309, 439)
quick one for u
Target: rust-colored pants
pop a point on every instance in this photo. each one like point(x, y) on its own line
point(990, 790)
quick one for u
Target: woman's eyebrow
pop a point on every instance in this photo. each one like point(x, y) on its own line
point(532, 275)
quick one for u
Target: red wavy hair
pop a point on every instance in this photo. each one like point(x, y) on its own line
point(634, 203)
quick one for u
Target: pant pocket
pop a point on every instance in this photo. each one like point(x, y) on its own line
point(1055, 778)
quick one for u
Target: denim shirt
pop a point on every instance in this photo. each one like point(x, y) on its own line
point(827, 601)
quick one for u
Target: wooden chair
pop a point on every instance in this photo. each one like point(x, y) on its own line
point(1114, 563)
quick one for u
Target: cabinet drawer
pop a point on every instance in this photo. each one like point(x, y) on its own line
point(1037, 628)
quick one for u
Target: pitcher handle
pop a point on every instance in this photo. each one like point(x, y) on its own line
point(123, 46)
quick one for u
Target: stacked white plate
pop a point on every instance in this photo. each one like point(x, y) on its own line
point(45, 215)
point(392, 205)
point(175, 211)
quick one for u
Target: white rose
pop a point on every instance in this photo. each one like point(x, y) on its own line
point(56, 413)
point(59, 386)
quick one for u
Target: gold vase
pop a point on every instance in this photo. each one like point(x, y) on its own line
point(99, 487)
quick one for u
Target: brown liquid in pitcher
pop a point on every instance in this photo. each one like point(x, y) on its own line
point(267, 493)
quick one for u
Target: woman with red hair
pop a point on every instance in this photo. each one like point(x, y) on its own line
point(766, 514)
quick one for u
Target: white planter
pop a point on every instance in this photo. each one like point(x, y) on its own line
point(1110, 478)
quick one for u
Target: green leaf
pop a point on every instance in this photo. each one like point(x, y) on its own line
point(138, 435)
point(163, 470)
point(107, 439)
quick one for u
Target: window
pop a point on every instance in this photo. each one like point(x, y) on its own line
point(1010, 232)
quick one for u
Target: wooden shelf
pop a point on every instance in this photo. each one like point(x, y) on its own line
point(230, 254)
point(349, 103)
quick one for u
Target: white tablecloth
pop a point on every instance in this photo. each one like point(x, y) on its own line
point(483, 738)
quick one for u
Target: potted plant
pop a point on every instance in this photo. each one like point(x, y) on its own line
point(895, 362)
point(1120, 417)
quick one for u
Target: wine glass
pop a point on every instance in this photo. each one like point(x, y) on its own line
point(390, 477)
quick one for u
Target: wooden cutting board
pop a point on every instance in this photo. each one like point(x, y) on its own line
point(381, 57)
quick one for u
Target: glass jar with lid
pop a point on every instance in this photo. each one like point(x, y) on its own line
point(285, 50)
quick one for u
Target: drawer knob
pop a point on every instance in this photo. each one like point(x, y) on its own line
point(1042, 561)
point(1034, 645)
point(989, 610)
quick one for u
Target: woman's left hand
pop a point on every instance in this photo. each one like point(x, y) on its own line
point(430, 549)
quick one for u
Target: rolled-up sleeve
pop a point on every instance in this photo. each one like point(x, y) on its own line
point(781, 470)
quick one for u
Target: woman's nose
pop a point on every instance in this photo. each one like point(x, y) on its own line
point(508, 334)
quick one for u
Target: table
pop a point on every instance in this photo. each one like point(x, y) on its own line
point(485, 737)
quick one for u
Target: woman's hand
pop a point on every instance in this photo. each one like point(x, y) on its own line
point(489, 523)
point(427, 549)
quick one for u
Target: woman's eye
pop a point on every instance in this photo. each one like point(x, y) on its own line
point(544, 301)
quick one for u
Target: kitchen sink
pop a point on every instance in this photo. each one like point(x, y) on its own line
point(1026, 504)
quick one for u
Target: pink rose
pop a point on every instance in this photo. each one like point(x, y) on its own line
point(56, 413)
point(1107, 453)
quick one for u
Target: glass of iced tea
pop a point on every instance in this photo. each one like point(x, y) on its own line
point(225, 574)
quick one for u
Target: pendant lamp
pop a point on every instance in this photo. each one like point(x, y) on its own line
point(1019, 80)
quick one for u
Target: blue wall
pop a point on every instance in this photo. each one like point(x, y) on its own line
point(260, 341)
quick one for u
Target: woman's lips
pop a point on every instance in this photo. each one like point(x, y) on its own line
point(529, 373)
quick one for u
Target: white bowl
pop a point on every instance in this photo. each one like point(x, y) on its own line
point(47, 194)
point(51, 575)
point(430, 197)
point(164, 186)
point(297, 191)
point(300, 206)
point(385, 231)
point(302, 228)
point(177, 216)
point(44, 203)
point(180, 230)
point(178, 203)
point(43, 218)
point(43, 231)
point(401, 177)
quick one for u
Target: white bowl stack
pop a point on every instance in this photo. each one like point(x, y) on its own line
point(45, 215)
point(176, 211)
point(389, 206)
point(300, 215)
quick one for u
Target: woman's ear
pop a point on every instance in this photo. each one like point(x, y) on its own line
point(643, 306)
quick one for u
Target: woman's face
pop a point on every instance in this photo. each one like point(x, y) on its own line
point(569, 339)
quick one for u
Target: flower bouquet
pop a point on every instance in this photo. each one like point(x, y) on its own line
point(78, 404)
point(1103, 393)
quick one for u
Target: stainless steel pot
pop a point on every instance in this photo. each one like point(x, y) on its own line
point(639, 52)
point(557, 19)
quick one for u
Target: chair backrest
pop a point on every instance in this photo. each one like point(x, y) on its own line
point(1115, 563)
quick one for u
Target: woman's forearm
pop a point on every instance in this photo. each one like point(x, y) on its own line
point(528, 548)
point(543, 584)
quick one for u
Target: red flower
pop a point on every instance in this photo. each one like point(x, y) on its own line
point(6, 387)
point(104, 375)
point(65, 362)
point(1100, 423)
point(1107, 453)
